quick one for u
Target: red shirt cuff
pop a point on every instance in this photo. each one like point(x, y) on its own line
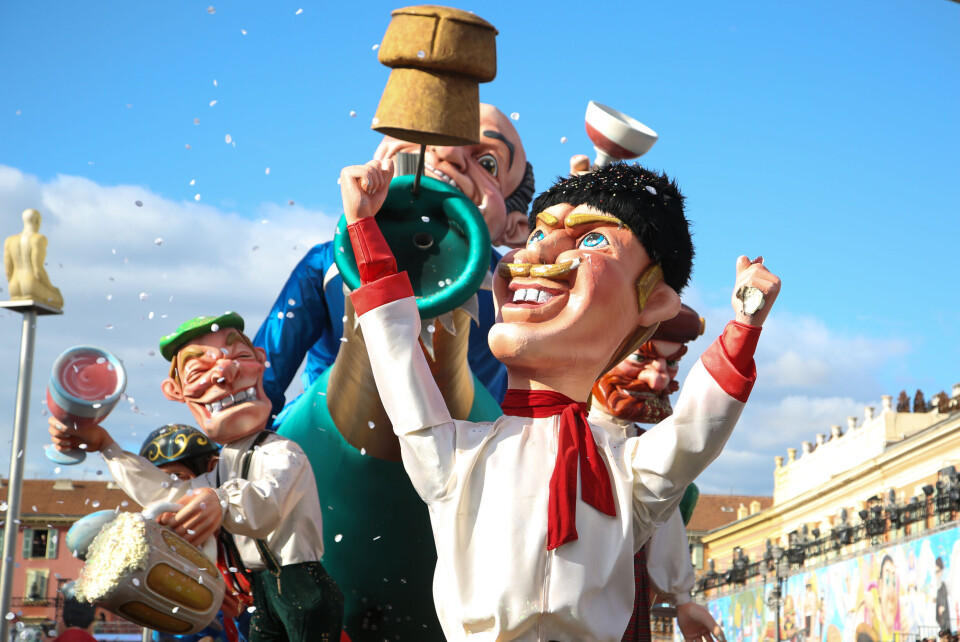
point(729, 359)
point(374, 258)
point(381, 292)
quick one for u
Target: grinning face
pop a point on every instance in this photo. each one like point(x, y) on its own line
point(487, 173)
point(220, 378)
point(576, 316)
point(639, 387)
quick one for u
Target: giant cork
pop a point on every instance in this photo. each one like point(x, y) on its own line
point(438, 56)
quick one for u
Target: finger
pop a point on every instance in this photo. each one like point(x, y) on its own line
point(386, 166)
point(742, 264)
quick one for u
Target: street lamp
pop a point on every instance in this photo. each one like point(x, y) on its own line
point(773, 556)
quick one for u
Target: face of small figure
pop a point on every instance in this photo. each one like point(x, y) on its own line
point(889, 599)
point(639, 387)
point(178, 470)
point(220, 378)
point(575, 319)
point(487, 173)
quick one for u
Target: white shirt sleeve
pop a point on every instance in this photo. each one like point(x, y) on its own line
point(144, 482)
point(668, 561)
point(668, 457)
point(410, 396)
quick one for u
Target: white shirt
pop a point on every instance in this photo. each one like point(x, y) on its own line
point(668, 553)
point(277, 502)
point(486, 486)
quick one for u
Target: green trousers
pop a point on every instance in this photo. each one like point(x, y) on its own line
point(302, 604)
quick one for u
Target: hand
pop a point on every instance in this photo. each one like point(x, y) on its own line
point(579, 164)
point(697, 624)
point(364, 188)
point(91, 438)
point(199, 518)
point(755, 284)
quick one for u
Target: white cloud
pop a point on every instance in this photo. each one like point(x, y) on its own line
point(809, 377)
point(102, 254)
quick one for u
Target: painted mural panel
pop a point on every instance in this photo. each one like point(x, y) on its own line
point(899, 592)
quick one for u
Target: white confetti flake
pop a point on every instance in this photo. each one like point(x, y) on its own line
point(651, 189)
point(57, 470)
point(3, 507)
point(279, 315)
point(213, 102)
point(175, 609)
point(109, 297)
point(353, 114)
point(267, 171)
point(192, 182)
point(187, 145)
point(289, 315)
point(421, 54)
point(251, 609)
point(228, 139)
point(374, 48)
point(9, 616)
point(563, 139)
point(196, 197)
point(515, 116)
point(109, 326)
point(337, 537)
point(211, 10)
point(158, 241)
point(363, 451)
point(95, 504)
point(375, 121)
point(196, 121)
point(138, 203)
point(343, 339)
point(425, 219)
point(371, 425)
point(431, 328)
point(144, 296)
point(299, 11)
point(214, 327)
point(243, 31)
point(214, 82)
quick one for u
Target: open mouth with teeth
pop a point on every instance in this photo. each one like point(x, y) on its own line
point(230, 400)
point(531, 296)
point(440, 175)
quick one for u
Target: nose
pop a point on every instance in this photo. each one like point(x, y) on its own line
point(655, 375)
point(452, 155)
point(228, 369)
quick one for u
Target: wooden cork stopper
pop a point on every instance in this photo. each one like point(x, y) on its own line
point(438, 56)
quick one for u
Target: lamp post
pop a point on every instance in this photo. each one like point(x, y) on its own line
point(774, 556)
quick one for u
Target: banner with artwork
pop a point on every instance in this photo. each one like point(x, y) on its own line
point(903, 591)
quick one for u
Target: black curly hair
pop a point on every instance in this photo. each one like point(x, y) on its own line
point(650, 204)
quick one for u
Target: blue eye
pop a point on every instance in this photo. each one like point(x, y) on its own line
point(594, 240)
point(535, 237)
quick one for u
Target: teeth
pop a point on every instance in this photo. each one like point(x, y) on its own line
point(250, 394)
point(439, 174)
point(532, 295)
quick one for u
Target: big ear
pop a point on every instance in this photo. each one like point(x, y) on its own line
point(261, 354)
point(662, 304)
point(516, 230)
point(171, 390)
point(212, 464)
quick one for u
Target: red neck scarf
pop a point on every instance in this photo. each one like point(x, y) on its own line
point(576, 446)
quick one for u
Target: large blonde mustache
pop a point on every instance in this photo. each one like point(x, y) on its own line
point(544, 270)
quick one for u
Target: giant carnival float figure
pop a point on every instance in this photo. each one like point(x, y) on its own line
point(261, 495)
point(520, 555)
point(635, 393)
point(474, 193)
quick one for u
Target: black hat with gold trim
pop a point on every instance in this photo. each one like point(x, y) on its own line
point(176, 443)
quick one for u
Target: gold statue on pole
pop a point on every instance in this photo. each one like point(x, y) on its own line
point(23, 257)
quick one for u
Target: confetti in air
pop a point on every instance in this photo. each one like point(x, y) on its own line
point(563, 139)
point(228, 139)
point(158, 241)
point(374, 48)
point(299, 11)
point(211, 10)
point(267, 171)
point(515, 116)
point(138, 203)
point(213, 102)
point(353, 114)
point(196, 121)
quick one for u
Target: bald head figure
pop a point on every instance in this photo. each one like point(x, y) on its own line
point(494, 174)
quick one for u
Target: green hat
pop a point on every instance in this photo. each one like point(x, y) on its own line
point(171, 343)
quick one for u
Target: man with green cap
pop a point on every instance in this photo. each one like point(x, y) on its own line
point(262, 493)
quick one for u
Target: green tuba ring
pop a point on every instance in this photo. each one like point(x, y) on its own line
point(438, 237)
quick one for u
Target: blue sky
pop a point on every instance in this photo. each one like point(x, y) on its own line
point(821, 135)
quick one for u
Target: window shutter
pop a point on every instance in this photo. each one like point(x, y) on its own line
point(27, 542)
point(51, 543)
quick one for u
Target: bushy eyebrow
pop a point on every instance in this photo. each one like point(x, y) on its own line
point(576, 220)
point(489, 133)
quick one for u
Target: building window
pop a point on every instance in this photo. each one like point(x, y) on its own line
point(37, 584)
point(39, 543)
